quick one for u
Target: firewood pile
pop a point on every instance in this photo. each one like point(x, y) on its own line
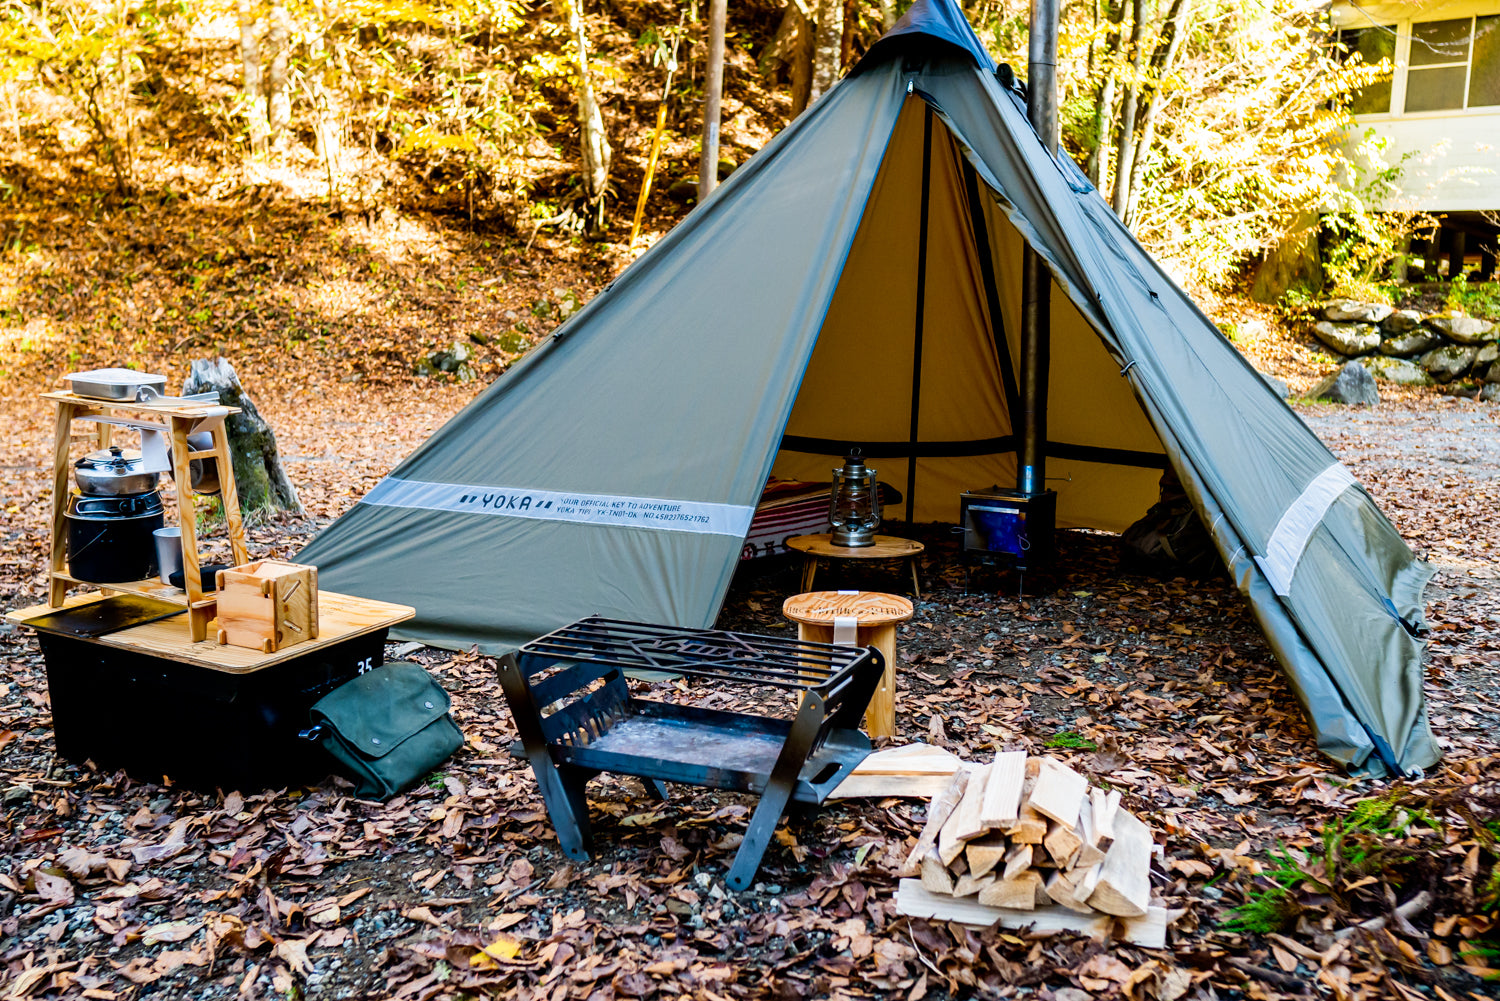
point(1029, 834)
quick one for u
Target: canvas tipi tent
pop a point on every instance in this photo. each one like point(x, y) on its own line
point(858, 281)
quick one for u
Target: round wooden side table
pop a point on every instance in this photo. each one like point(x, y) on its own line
point(858, 618)
point(885, 547)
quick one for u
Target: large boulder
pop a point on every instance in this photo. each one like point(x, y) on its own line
point(1493, 375)
point(1277, 386)
point(1447, 364)
point(1397, 370)
point(1409, 343)
point(1464, 329)
point(1487, 356)
point(1351, 384)
point(1350, 311)
point(1490, 393)
point(1350, 339)
point(1401, 321)
point(260, 479)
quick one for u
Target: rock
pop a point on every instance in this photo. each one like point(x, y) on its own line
point(1487, 355)
point(1493, 375)
point(1397, 370)
point(684, 190)
point(1410, 343)
point(1351, 339)
point(453, 361)
point(1351, 384)
point(1490, 393)
point(1349, 311)
point(1464, 329)
point(1277, 386)
point(1401, 321)
point(1448, 363)
point(259, 479)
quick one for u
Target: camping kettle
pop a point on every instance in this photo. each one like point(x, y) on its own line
point(854, 505)
point(112, 472)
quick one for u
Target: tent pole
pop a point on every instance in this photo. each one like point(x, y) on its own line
point(916, 351)
point(1036, 284)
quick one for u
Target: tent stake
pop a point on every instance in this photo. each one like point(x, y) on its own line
point(916, 360)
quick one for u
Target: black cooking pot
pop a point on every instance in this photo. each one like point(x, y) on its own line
point(109, 538)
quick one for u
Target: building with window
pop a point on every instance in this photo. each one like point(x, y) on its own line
point(1441, 105)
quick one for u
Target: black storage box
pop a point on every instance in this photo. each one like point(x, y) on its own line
point(202, 728)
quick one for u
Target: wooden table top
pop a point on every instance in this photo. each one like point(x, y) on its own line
point(885, 547)
point(186, 410)
point(871, 608)
point(340, 617)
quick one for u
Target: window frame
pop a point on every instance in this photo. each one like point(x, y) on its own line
point(1400, 75)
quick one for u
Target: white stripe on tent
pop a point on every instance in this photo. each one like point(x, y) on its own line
point(616, 511)
point(1297, 524)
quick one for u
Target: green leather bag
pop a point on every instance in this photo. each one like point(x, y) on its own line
point(388, 728)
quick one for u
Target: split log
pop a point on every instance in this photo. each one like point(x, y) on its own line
point(938, 812)
point(1002, 790)
point(935, 875)
point(984, 854)
point(965, 822)
point(1059, 791)
point(259, 478)
point(1018, 861)
point(1062, 844)
point(1029, 829)
point(1103, 806)
point(1125, 880)
point(1018, 894)
point(967, 885)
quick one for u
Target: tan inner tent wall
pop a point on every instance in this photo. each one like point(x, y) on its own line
point(858, 386)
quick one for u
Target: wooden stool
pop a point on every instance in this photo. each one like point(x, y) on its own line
point(871, 618)
point(885, 547)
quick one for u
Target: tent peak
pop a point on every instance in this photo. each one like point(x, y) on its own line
point(926, 26)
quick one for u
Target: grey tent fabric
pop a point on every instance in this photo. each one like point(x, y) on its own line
point(616, 469)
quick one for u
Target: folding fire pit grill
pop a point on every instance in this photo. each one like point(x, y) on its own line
point(601, 727)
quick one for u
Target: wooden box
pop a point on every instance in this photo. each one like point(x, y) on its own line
point(268, 605)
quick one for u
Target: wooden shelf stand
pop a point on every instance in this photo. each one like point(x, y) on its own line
point(177, 423)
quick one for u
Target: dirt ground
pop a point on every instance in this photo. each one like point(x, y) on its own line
point(114, 887)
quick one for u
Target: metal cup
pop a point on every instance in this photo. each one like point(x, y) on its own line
point(168, 552)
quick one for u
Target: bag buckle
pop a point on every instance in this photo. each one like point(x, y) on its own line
point(313, 732)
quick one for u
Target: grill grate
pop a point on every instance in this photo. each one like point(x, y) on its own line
point(701, 653)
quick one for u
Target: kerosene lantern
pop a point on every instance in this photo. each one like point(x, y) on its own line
point(854, 507)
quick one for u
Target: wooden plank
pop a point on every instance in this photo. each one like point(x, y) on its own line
point(1017, 894)
point(858, 786)
point(1088, 852)
point(938, 812)
point(57, 590)
point(911, 759)
point(983, 854)
point(1059, 791)
point(1149, 932)
point(1125, 881)
point(964, 825)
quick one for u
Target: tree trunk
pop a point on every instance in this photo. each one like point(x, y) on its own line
point(1125, 149)
point(278, 101)
point(251, 93)
point(1179, 22)
point(260, 480)
point(1097, 166)
point(713, 92)
point(830, 36)
point(802, 56)
point(594, 145)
